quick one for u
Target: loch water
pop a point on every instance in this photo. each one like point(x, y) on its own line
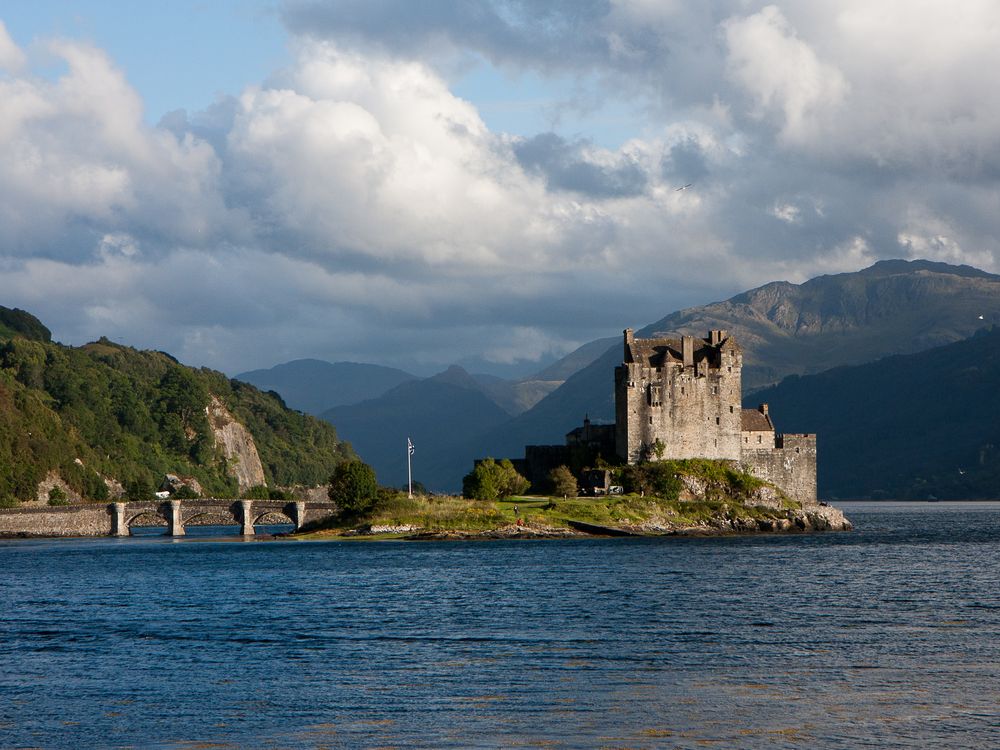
point(888, 636)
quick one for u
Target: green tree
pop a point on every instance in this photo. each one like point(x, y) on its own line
point(481, 482)
point(490, 480)
point(57, 496)
point(185, 492)
point(562, 482)
point(658, 478)
point(139, 488)
point(353, 487)
point(511, 483)
point(257, 492)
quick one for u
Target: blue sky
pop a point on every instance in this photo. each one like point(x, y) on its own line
point(218, 48)
point(490, 182)
point(179, 55)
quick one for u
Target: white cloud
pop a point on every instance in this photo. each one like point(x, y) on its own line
point(783, 74)
point(787, 212)
point(352, 206)
point(11, 56)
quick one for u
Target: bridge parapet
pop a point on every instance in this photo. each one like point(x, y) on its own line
point(117, 519)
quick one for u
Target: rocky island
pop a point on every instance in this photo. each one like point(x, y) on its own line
point(681, 497)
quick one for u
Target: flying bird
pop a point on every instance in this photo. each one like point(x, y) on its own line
point(980, 317)
point(683, 187)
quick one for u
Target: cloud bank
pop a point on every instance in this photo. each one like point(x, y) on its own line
point(352, 206)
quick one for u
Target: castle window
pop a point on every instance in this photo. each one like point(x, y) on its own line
point(730, 410)
point(651, 420)
point(682, 390)
point(760, 439)
point(717, 442)
point(717, 420)
point(796, 450)
point(730, 369)
point(746, 440)
point(715, 389)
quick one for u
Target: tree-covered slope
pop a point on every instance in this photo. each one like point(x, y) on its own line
point(108, 412)
point(917, 426)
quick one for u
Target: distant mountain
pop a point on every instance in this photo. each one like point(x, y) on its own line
point(313, 386)
point(438, 414)
point(576, 360)
point(917, 426)
point(893, 307)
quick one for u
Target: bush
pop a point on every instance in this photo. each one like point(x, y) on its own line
point(185, 492)
point(490, 480)
point(56, 494)
point(139, 489)
point(257, 492)
point(657, 478)
point(6, 501)
point(562, 482)
point(480, 483)
point(353, 487)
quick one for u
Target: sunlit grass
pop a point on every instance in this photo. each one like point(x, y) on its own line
point(399, 516)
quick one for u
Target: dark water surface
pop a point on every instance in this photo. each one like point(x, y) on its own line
point(885, 637)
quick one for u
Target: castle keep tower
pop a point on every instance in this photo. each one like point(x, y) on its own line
point(683, 393)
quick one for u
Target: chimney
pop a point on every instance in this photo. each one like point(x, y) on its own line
point(629, 340)
point(716, 337)
point(687, 347)
point(762, 409)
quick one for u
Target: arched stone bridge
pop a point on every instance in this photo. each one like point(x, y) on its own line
point(245, 513)
point(117, 519)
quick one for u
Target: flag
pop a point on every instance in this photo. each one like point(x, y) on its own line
point(409, 446)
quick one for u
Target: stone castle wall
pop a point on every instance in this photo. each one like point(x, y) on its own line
point(788, 461)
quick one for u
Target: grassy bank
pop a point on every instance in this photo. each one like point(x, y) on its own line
point(403, 517)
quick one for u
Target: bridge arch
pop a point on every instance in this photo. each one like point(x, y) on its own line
point(149, 513)
point(258, 515)
point(231, 518)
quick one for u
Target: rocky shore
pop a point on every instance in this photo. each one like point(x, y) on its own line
point(811, 518)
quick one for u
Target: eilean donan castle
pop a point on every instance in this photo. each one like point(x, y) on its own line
point(679, 398)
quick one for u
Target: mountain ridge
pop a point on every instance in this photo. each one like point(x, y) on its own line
point(915, 426)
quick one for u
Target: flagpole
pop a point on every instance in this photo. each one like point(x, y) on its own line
point(409, 470)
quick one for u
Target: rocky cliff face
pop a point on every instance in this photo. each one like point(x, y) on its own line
point(243, 462)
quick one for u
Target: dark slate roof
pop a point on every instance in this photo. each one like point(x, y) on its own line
point(753, 420)
point(662, 351)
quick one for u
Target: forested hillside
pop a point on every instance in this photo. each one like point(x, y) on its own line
point(105, 414)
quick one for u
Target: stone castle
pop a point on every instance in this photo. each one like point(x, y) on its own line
point(681, 398)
